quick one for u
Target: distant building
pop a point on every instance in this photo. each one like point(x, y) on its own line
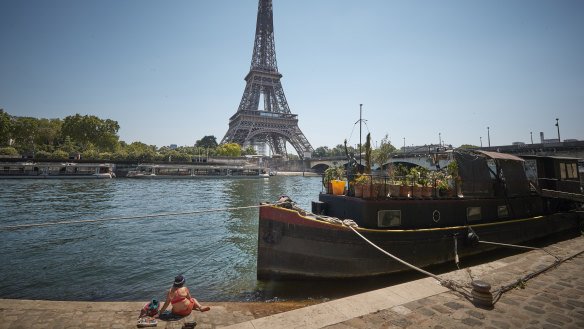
point(547, 141)
point(424, 149)
point(173, 146)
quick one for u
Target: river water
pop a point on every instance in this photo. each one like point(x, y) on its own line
point(138, 259)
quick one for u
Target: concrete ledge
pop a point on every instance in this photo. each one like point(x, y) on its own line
point(325, 314)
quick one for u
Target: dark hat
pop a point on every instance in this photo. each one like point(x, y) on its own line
point(154, 304)
point(179, 281)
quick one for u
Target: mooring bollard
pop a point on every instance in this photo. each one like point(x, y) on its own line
point(481, 293)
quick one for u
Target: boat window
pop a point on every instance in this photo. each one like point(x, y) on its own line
point(473, 213)
point(388, 218)
point(493, 168)
point(562, 170)
point(502, 211)
point(572, 170)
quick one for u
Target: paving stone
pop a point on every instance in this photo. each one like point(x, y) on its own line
point(508, 301)
point(425, 311)
point(575, 303)
point(440, 309)
point(401, 322)
point(454, 305)
point(476, 314)
point(534, 309)
point(472, 322)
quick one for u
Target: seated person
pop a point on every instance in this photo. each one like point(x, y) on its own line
point(181, 300)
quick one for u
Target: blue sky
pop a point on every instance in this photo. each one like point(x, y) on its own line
point(171, 72)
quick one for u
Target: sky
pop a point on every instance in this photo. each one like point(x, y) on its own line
point(171, 72)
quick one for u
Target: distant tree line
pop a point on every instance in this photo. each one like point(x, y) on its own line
point(94, 138)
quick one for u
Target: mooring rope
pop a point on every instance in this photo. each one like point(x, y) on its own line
point(518, 247)
point(131, 217)
point(501, 290)
point(445, 283)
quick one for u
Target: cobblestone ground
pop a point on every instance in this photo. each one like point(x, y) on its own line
point(553, 299)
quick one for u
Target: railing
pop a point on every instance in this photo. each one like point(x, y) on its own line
point(386, 187)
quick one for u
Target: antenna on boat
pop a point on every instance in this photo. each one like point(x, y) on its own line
point(360, 124)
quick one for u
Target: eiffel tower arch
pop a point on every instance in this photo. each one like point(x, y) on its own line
point(274, 124)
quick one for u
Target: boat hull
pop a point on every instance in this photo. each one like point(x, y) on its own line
point(293, 246)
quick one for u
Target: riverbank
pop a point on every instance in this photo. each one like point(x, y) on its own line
point(552, 299)
point(298, 173)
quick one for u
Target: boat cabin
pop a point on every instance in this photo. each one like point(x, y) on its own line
point(554, 173)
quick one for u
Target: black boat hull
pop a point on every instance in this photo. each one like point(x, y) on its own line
point(292, 246)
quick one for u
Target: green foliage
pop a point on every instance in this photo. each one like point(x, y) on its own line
point(5, 125)
point(229, 150)
point(452, 169)
point(368, 154)
point(43, 154)
point(207, 142)
point(249, 151)
point(59, 155)
point(334, 173)
point(401, 170)
point(8, 151)
point(468, 146)
point(363, 179)
point(382, 154)
point(89, 129)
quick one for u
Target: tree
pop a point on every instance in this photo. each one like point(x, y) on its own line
point(5, 123)
point(49, 133)
point(468, 146)
point(138, 151)
point(249, 151)
point(207, 142)
point(382, 154)
point(8, 151)
point(23, 131)
point(368, 154)
point(230, 150)
point(91, 129)
point(321, 152)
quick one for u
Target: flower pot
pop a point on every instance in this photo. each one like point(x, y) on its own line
point(404, 191)
point(338, 187)
point(328, 188)
point(375, 190)
point(393, 190)
point(426, 191)
point(366, 191)
point(417, 191)
point(358, 190)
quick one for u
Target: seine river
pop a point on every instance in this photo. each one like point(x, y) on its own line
point(138, 259)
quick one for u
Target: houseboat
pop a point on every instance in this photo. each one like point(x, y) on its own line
point(180, 171)
point(493, 201)
point(36, 170)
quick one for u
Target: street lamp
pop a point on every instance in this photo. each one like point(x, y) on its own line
point(558, 125)
point(439, 139)
point(404, 144)
point(531, 134)
point(489, 136)
point(481, 137)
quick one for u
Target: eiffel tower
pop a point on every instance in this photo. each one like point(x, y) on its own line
point(273, 125)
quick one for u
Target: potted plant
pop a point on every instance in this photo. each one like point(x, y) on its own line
point(402, 180)
point(453, 178)
point(424, 182)
point(362, 183)
point(334, 173)
point(414, 178)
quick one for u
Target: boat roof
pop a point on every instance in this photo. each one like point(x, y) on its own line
point(500, 156)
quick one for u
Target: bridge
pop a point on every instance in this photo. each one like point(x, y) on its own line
point(574, 149)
